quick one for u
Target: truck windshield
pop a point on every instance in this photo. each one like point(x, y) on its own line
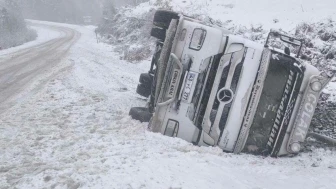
point(282, 80)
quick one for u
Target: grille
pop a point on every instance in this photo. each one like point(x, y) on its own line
point(234, 83)
point(207, 90)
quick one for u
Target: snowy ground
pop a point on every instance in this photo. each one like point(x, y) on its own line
point(76, 133)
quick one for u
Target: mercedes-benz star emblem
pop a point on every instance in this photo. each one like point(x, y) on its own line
point(225, 95)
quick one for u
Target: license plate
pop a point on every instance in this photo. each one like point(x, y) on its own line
point(188, 86)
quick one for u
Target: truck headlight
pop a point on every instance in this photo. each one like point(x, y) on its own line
point(316, 86)
point(171, 128)
point(295, 147)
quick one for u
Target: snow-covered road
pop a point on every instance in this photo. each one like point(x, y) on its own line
point(19, 69)
point(73, 131)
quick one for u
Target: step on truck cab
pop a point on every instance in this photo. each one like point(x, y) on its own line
point(212, 88)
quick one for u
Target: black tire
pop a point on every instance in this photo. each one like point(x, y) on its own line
point(162, 18)
point(144, 90)
point(158, 33)
point(140, 113)
point(146, 79)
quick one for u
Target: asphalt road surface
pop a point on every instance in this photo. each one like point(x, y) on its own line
point(18, 70)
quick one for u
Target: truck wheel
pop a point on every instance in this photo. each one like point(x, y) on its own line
point(162, 18)
point(146, 79)
point(140, 113)
point(158, 33)
point(144, 90)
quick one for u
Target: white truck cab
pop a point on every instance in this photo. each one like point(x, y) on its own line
point(212, 88)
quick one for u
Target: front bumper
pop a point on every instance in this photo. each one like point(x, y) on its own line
point(306, 111)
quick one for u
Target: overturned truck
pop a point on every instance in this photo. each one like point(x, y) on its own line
point(212, 88)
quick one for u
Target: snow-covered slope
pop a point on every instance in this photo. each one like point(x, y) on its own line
point(284, 14)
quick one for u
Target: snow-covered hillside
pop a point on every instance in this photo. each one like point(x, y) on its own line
point(284, 14)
